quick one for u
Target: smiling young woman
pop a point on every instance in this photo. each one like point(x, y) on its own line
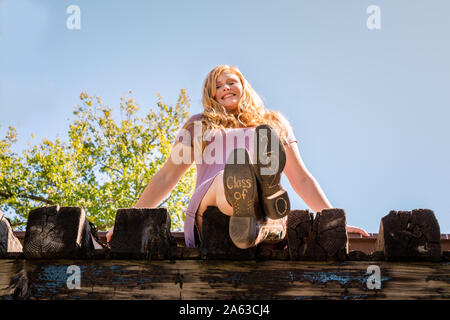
point(259, 207)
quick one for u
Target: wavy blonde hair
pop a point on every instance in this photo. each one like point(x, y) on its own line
point(251, 111)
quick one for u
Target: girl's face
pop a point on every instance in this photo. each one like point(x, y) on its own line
point(228, 90)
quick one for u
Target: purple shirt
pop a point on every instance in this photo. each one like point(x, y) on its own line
point(212, 160)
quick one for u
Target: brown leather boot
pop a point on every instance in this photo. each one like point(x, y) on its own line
point(268, 231)
point(270, 159)
point(272, 231)
point(241, 192)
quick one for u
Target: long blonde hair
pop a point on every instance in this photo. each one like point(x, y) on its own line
point(251, 110)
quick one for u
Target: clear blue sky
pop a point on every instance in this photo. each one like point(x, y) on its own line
point(370, 108)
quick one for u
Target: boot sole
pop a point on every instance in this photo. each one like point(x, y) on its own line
point(241, 190)
point(275, 199)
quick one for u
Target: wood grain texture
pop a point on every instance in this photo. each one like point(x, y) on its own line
point(142, 234)
point(209, 279)
point(57, 232)
point(9, 243)
point(216, 242)
point(410, 235)
point(317, 239)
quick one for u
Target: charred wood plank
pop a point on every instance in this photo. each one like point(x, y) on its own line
point(58, 232)
point(410, 236)
point(356, 255)
point(319, 239)
point(446, 255)
point(9, 243)
point(142, 233)
point(184, 253)
point(299, 230)
point(230, 280)
point(268, 252)
point(216, 242)
point(376, 256)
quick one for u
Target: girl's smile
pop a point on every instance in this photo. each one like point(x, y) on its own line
point(228, 90)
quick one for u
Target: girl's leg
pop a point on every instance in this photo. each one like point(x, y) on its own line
point(215, 196)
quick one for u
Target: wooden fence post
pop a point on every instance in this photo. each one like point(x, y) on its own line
point(321, 238)
point(58, 232)
point(142, 234)
point(9, 244)
point(406, 235)
point(216, 242)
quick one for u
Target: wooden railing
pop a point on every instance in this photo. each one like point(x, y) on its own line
point(356, 242)
point(144, 260)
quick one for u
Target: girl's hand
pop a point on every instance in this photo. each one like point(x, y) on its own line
point(352, 229)
point(109, 234)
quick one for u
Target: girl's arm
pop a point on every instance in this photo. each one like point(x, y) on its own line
point(306, 186)
point(181, 158)
point(167, 177)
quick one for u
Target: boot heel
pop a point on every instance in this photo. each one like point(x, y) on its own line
point(242, 231)
point(277, 205)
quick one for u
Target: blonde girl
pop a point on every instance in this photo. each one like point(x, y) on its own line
point(233, 112)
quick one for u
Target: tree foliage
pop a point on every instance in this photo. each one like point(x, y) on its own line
point(105, 164)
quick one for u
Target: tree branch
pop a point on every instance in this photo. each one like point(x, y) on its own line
point(164, 202)
point(112, 169)
point(28, 196)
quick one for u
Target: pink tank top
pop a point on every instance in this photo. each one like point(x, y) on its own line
point(212, 160)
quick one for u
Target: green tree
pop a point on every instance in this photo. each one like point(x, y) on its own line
point(105, 164)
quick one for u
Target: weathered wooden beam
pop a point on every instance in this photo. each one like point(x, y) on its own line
point(356, 242)
point(9, 244)
point(58, 232)
point(319, 239)
point(230, 280)
point(142, 234)
point(410, 235)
